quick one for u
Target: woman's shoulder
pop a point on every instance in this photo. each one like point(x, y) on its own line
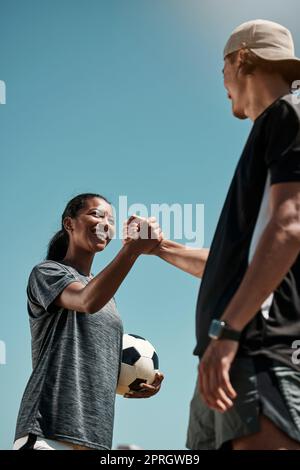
point(55, 269)
point(49, 263)
point(49, 266)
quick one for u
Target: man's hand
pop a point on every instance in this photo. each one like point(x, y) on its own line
point(214, 382)
point(147, 391)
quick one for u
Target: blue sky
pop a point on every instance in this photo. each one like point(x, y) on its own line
point(121, 97)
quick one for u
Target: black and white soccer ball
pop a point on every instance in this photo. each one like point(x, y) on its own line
point(139, 364)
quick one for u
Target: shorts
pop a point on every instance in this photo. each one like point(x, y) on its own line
point(263, 386)
point(33, 442)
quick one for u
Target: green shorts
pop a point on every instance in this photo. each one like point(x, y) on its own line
point(263, 386)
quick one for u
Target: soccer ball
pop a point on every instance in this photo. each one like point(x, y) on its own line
point(139, 364)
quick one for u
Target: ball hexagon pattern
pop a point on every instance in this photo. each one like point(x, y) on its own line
point(139, 363)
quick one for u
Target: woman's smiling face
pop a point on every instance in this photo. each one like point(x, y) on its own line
point(93, 227)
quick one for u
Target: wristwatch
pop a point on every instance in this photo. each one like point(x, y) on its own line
point(220, 330)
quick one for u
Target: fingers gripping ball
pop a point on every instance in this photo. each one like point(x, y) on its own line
point(139, 364)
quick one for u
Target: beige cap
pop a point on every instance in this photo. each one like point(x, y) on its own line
point(268, 40)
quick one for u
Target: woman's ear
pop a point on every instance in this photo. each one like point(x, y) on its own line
point(68, 224)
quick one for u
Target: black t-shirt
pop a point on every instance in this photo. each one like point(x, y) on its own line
point(271, 155)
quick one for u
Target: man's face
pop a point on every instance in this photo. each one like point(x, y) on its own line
point(234, 82)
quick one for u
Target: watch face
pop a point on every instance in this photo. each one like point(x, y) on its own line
point(216, 328)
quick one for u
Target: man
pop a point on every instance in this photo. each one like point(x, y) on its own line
point(248, 310)
point(248, 383)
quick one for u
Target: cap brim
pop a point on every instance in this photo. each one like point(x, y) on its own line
point(273, 55)
point(294, 62)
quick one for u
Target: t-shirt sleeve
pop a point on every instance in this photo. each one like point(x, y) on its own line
point(46, 281)
point(282, 155)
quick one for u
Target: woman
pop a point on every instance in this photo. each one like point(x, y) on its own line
point(77, 332)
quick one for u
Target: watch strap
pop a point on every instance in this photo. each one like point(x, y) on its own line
point(230, 333)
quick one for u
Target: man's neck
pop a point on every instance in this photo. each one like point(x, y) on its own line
point(262, 91)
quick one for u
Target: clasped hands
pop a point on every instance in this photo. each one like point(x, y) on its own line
point(143, 234)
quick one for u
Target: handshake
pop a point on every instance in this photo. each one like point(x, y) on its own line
point(142, 235)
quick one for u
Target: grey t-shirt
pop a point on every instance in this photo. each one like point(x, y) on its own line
point(76, 360)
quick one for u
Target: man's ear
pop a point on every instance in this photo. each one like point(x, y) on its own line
point(241, 57)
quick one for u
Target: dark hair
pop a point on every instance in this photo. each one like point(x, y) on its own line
point(58, 245)
point(251, 61)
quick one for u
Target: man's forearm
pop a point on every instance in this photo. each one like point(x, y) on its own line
point(190, 260)
point(276, 252)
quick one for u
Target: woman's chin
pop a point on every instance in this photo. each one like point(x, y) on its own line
point(101, 244)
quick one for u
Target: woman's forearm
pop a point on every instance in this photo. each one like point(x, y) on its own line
point(103, 286)
point(190, 260)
